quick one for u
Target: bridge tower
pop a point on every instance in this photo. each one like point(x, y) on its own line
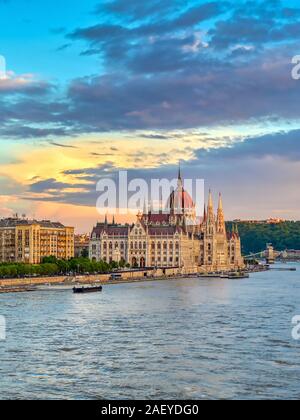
point(270, 254)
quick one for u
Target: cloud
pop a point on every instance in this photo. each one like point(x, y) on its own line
point(257, 22)
point(65, 146)
point(24, 84)
point(282, 146)
point(178, 12)
point(165, 66)
point(209, 92)
point(256, 160)
point(25, 132)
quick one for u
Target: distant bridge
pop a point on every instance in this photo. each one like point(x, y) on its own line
point(270, 254)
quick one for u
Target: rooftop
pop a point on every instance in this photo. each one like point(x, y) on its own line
point(14, 222)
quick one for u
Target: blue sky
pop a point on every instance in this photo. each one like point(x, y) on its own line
point(96, 86)
point(32, 39)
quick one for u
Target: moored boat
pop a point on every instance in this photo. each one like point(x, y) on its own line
point(210, 275)
point(82, 290)
point(238, 276)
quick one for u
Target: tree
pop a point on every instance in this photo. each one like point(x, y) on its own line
point(254, 237)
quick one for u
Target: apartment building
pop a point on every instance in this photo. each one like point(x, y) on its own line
point(29, 241)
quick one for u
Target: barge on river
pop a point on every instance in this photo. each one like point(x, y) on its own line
point(83, 290)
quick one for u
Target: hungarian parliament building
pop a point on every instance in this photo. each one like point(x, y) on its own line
point(172, 238)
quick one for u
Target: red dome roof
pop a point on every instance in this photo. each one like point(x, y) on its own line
point(180, 199)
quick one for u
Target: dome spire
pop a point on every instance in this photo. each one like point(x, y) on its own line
point(179, 182)
point(179, 173)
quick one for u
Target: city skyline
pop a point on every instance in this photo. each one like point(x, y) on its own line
point(100, 88)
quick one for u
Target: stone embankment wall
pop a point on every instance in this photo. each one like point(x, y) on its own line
point(102, 278)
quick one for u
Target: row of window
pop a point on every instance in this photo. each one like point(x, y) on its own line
point(165, 260)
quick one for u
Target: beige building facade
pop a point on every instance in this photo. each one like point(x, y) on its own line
point(171, 238)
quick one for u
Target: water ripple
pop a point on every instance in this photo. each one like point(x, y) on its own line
point(185, 339)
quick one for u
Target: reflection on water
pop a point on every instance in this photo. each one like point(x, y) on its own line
point(176, 339)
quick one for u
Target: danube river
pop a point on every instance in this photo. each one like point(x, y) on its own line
point(181, 339)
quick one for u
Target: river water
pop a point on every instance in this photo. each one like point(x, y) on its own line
point(179, 339)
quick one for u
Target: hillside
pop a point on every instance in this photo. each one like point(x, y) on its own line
point(254, 237)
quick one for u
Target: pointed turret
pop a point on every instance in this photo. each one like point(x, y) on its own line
point(160, 202)
point(221, 228)
point(145, 208)
point(210, 224)
point(210, 208)
point(184, 227)
point(220, 206)
point(172, 203)
point(233, 231)
point(204, 215)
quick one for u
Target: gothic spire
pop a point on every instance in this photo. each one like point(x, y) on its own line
point(233, 230)
point(179, 181)
point(145, 208)
point(179, 173)
point(204, 214)
point(160, 202)
point(172, 202)
point(210, 208)
point(220, 217)
point(184, 224)
point(220, 206)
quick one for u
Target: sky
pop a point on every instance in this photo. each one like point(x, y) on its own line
point(95, 87)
